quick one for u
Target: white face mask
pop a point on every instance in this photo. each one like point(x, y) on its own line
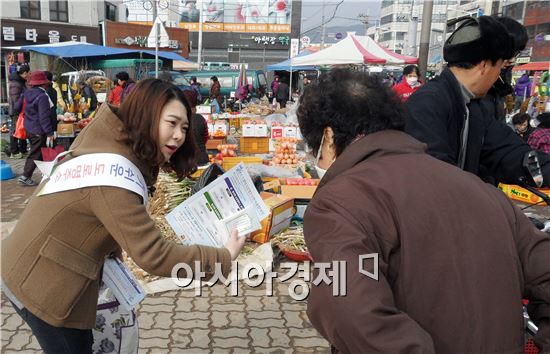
point(320, 171)
point(412, 81)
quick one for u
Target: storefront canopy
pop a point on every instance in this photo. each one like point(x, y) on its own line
point(353, 50)
point(79, 49)
point(537, 66)
point(285, 65)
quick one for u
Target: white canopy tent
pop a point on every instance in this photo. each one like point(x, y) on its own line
point(353, 50)
point(391, 57)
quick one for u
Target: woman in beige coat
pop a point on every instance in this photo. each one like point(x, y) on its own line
point(52, 262)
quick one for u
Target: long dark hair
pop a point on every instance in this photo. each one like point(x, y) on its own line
point(140, 112)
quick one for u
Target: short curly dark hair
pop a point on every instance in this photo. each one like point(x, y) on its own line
point(351, 103)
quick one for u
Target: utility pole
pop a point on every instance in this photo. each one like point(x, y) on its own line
point(364, 18)
point(157, 34)
point(425, 36)
point(444, 34)
point(412, 32)
point(323, 28)
point(199, 52)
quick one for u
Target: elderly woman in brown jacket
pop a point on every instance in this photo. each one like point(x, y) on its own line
point(52, 262)
point(436, 261)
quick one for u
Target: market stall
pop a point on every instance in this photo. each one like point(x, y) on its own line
point(267, 140)
point(353, 50)
point(79, 106)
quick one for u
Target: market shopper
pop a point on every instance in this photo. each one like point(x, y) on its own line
point(38, 122)
point(52, 94)
point(446, 113)
point(51, 272)
point(522, 125)
point(409, 82)
point(494, 101)
point(453, 256)
point(522, 90)
point(17, 84)
point(89, 96)
point(115, 94)
point(196, 86)
point(126, 83)
point(215, 89)
point(200, 128)
point(275, 85)
point(540, 137)
point(282, 93)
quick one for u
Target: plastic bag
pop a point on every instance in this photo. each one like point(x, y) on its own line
point(216, 105)
point(207, 177)
point(49, 154)
point(20, 132)
point(116, 329)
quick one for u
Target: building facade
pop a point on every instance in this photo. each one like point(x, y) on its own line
point(257, 32)
point(537, 22)
point(44, 21)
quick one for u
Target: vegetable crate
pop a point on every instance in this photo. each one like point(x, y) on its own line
point(230, 162)
point(254, 145)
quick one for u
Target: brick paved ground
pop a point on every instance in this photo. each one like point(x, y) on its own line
point(180, 322)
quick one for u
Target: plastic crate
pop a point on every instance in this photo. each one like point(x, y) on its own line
point(230, 162)
point(250, 145)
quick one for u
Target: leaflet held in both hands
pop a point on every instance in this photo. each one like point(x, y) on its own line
point(230, 202)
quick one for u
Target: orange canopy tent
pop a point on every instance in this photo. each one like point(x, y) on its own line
point(536, 66)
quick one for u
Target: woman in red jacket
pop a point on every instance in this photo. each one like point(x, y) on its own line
point(409, 83)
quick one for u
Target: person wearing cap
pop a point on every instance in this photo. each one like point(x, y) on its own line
point(37, 122)
point(494, 101)
point(447, 114)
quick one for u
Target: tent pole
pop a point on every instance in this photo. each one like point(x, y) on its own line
point(157, 33)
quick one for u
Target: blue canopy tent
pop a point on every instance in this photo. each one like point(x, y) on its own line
point(285, 65)
point(78, 49)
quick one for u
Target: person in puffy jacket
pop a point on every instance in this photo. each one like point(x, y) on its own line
point(16, 86)
point(409, 84)
point(522, 90)
point(37, 122)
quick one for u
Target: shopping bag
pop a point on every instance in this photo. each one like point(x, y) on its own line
point(49, 154)
point(116, 329)
point(216, 105)
point(20, 132)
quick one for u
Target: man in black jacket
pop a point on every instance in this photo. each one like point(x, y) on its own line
point(53, 97)
point(447, 114)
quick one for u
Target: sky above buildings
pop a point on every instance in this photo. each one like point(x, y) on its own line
point(345, 16)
